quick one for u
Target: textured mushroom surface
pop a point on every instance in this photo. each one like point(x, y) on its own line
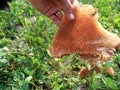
point(84, 36)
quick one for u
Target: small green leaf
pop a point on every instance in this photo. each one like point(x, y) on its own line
point(88, 66)
point(28, 79)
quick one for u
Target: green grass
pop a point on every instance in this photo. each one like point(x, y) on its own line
point(25, 63)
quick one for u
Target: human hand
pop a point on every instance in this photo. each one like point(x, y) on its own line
point(53, 8)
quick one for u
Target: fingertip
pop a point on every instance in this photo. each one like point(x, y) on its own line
point(71, 16)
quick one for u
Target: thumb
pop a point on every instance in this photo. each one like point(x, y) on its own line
point(66, 4)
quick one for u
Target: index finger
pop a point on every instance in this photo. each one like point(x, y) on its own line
point(67, 7)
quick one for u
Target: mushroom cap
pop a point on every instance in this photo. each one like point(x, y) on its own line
point(84, 36)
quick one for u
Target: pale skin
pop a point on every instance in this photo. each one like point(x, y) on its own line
point(55, 9)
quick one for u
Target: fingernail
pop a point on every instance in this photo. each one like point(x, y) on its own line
point(72, 17)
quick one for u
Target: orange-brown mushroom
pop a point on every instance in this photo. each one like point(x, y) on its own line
point(84, 36)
